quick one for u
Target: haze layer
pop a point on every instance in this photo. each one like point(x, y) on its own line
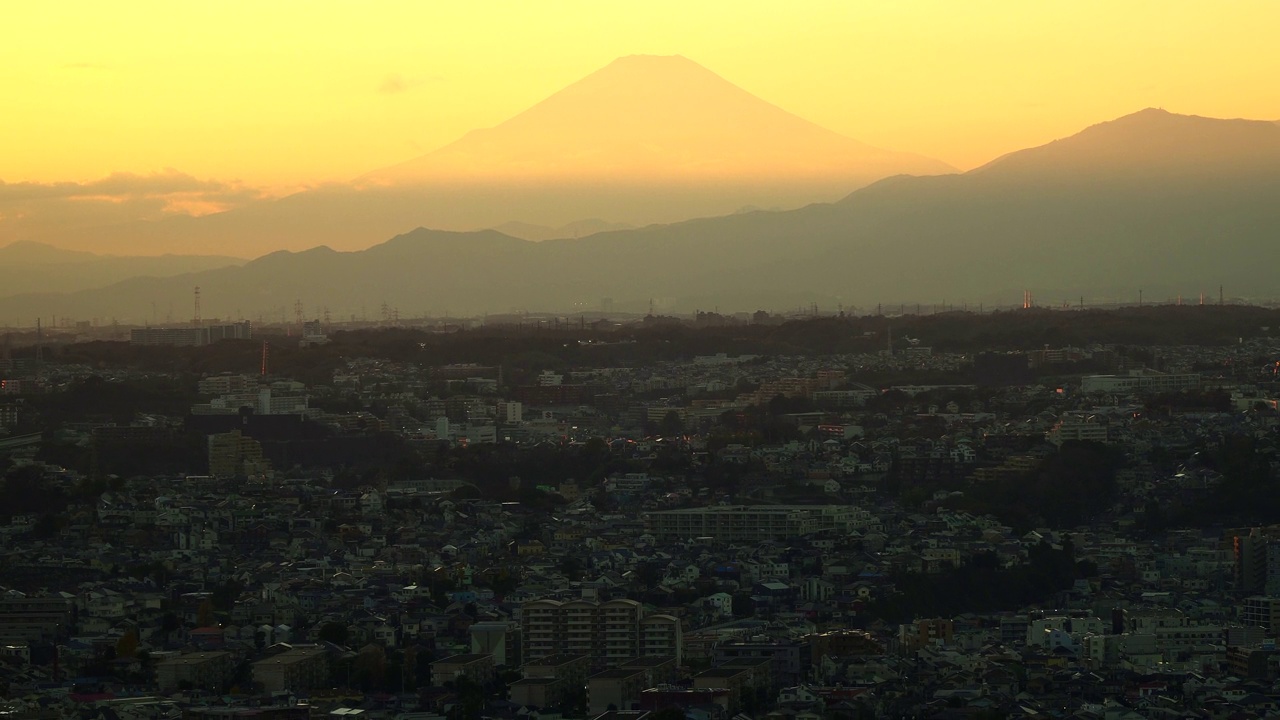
point(644, 140)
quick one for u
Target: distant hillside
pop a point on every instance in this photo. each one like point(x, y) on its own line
point(1149, 142)
point(581, 228)
point(1153, 201)
point(27, 267)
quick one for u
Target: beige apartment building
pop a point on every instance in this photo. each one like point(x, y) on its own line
point(609, 632)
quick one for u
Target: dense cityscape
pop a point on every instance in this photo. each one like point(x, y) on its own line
point(704, 517)
point(650, 360)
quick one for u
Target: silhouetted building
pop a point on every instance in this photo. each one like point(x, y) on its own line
point(1250, 562)
point(233, 454)
point(295, 670)
point(205, 671)
point(191, 336)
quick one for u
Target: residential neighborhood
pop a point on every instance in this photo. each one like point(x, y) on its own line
point(1063, 532)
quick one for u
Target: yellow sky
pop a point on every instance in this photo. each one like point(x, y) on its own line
point(281, 94)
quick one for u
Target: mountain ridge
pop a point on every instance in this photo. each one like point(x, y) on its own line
point(30, 266)
point(976, 237)
point(654, 116)
point(578, 228)
point(1154, 140)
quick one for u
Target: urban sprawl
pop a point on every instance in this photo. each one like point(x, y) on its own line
point(212, 523)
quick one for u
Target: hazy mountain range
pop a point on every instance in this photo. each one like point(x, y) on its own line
point(34, 267)
point(581, 228)
point(1162, 202)
point(646, 139)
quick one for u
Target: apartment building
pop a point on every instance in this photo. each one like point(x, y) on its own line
point(1083, 429)
point(479, 668)
point(1143, 381)
point(202, 671)
point(35, 618)
point(616, 689)
point(1261, 611)
point(193, 336)
point(747, 682)
point(232, 454)
point(661, 636)
point(295, 670)
point(609, 632)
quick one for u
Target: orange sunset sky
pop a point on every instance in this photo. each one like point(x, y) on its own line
point(280, 95)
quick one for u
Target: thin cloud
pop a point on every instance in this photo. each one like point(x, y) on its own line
point(121, 197)
point(169, 181)
point(395, 83)
point(122, 186)
point(85, 66)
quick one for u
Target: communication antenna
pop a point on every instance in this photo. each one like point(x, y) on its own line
point(195, 319)
point(265, 353)
point(297, 311)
